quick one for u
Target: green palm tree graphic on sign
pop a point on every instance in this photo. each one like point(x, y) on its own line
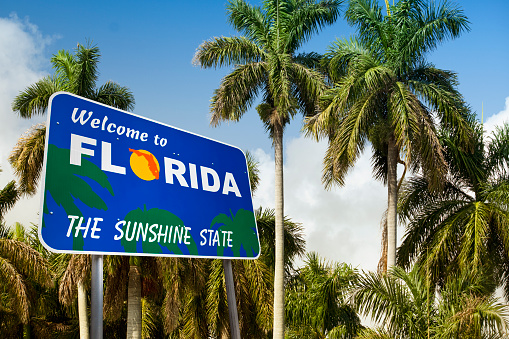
point(244, 232)
point(168, 224)
point(66, 183)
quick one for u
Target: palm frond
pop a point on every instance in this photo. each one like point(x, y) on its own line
point(237, 92)
point(27, 158)
point(17, 288)
point(227, 51)
point(250, 21)
point(34, 99)
point(310, 19)
point(434, 24)
point(86, 72)
point(8, 197)
point(112, 94)
point(366, 15)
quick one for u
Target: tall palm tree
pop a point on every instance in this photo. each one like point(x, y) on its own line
point(76, 74)
point(317, 303)
point(406, 306)
point(265, 62)
point(467, 222)
point(386, 93)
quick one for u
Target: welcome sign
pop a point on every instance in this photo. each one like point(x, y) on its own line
point(117, 183)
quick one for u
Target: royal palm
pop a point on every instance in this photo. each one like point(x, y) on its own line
point(265, 62)
point(387, 94)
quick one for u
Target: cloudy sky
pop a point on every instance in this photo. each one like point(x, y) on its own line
point(148, 46)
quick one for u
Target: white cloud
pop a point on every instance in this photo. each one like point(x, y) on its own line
point(497, 119)
point(21, 61)
point(341, 224)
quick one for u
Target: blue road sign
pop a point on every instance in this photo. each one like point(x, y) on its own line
point(118, 183)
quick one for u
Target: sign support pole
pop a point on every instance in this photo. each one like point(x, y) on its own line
point(230, 296)
point(96, 309)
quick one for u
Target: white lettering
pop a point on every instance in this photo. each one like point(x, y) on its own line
point(204, 241)
point(104, 122)
point(187, 236)
point(111, 127)
point(81, 118)
point(73, 218)
point(192, 174)
point(120, 130)
point(106, 160)
point(95, 123)
point(118, 226)
point(95, 228)
point(132, 133)
point(169, 171)
point(230, 185)
point(214, 187)
point(77, 150)
point(154, 235)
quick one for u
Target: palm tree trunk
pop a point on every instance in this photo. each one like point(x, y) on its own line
point(134, 304)
point(392, 195)
point(82, 312)
point(279, 300)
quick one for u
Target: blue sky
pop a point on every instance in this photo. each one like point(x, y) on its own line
point(149, 45)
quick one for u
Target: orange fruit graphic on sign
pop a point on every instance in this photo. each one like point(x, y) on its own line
point(144, 164)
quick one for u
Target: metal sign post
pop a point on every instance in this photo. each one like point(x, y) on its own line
point(96, 307)
point(230, 296)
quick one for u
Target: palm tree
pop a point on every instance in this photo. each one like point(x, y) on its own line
point(467, 222)
point(408, 307)
point(76, 74)
point(386, 93)
point(317, 303)
point(264, 61)
point(20, 266)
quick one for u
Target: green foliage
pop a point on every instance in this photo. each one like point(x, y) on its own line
point(317, 303)
point(264, 58)
point(407, 305)
point(28, 300)
point(294, 242)
point(384, 89)
point(465, 223)
point(8, 197)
